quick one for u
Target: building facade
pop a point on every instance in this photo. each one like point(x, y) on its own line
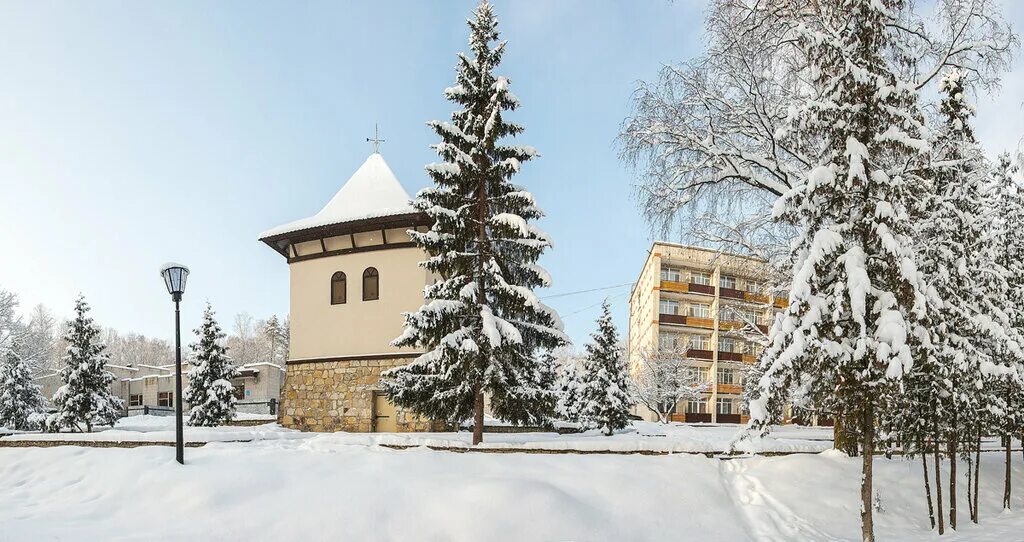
point(353, 271)
point(712, 308)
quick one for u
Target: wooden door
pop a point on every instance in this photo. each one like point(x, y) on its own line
point(384, 415)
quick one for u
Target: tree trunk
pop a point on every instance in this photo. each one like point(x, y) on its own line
point(927, 487)
point(868, 451)
point(970, 485)
point(478, 416)
point(951, 452)
point(1007, 439)
point(938, 486)
point(977, 473)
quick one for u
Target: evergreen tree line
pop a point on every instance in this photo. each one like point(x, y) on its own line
point(84, 400)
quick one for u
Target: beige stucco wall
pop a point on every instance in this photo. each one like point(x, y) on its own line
point(322, 330)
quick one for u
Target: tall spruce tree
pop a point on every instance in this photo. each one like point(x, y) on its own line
point(85, 397)
point(602, 388)
point(20, 400)
point(482, 324)
point(209, 390)
point(857, 299)
point(952, 391)
point(1008, 196)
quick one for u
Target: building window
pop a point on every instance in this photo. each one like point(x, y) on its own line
point(698, 310)
point(670, 274)
point(668, 306)
point(697, 277)
point(753, 287)
point(724, 405)
point(725, 376)
point(726, 281)
point(696, 407)
point(165, 399)
point(339, 289)
point(727, 345)
point(135, 400)
point(700, 342)
point(371, 284)
point(669, 341)
point(239, 392)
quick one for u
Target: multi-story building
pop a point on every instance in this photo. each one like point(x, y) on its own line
point(712, 308)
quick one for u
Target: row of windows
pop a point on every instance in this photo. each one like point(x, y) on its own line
point(703, 310)
point(674, 274)
point(726, 375)
point(339, 286)
point(676, 341)
point(725, 405)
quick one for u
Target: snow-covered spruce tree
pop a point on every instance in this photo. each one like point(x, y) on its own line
point(482, 323)
point(567, 387)
point(857, 299)
point(973, 346)
point(21, 403)
point(1008, 202)
point(602, 387)
point(85, 397)
point(209, 390)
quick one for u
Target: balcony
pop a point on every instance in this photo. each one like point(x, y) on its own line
point(701, 288)
point(731, 293)
point(730, 388)
point(748, 358)
point(683, 320)
point(697, 353)
point(672, 286)
point(729, 356)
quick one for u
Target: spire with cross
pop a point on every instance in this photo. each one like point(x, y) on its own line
point(376, 140)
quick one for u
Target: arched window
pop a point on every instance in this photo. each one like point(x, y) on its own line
point(371, 284)
point(339, 290)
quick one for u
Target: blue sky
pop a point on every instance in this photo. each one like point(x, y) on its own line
point(132, 133)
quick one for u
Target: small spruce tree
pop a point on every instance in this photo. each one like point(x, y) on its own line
point(603, 385)
point(209, 389)
point(85, 397)
point(20, 400)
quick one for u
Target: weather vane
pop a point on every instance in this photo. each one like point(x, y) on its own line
point(376, 140)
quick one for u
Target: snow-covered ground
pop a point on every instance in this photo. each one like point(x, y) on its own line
point(643, 436)
point(324, 487)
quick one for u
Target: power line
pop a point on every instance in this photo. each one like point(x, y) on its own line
point(588, 307)
point(587, 291)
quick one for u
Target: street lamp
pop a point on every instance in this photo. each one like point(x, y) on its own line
point(174, 276)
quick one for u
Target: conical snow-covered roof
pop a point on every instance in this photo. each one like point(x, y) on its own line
point(373, 191)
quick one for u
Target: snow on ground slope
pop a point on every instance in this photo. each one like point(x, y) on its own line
point(322, 489)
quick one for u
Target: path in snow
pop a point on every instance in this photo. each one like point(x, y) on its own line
point(767, 519)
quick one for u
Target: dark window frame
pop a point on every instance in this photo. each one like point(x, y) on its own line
point(135, 399)
point(371, 276)
point(165, 399)
point(336, 279)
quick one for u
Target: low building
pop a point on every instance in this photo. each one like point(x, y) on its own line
point(150, 388)
point(716, 309)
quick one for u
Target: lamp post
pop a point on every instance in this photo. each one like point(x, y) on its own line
point(174, 276)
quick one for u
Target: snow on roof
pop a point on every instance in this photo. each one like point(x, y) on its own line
point(373, 191)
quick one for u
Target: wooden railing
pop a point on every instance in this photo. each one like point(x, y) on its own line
point(673, 286)
point(730, 388)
